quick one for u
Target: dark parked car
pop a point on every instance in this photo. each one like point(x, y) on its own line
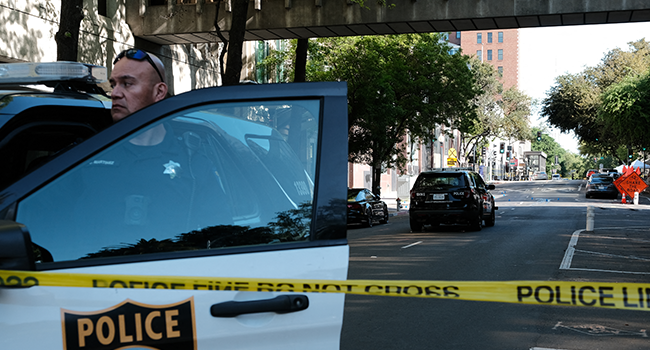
point(451, 196)
point(365, 207)
point(601, 185)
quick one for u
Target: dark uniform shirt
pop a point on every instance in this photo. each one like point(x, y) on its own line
point(133, 194)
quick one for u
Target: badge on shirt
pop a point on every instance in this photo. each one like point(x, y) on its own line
point(173, 169)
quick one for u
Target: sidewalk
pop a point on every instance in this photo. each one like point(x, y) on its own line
point(392, 207)
point(616, 250)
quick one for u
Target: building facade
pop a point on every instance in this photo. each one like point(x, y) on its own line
point(500, 48)
point(28, 29)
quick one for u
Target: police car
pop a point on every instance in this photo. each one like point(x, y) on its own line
point(225, 194)
point(451, 196)
point(46, 108)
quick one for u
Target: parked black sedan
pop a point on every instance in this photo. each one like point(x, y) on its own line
point(365, 207)
point(601, 185)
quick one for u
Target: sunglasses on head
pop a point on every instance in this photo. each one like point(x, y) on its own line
point(138, 55)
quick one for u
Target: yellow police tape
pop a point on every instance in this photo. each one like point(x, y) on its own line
point(627, 296)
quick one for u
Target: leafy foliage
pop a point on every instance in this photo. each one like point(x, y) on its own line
point(499, 113)
point(595, 102)
point(549, 146)
point(396, 85)
point(625, 110)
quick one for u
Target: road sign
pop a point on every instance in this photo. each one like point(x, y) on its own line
point(630, 184)
point(451, 161)
point(452, 153)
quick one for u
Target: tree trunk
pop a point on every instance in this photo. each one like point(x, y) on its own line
point(67, 38)
point(236, 42)
point(376, 180)
point(222, 55)
point(300, 74)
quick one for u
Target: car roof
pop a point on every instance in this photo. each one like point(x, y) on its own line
point(446, 171)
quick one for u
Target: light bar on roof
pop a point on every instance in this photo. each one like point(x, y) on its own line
point(44, 72)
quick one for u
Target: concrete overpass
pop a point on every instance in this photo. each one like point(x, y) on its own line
point(193, 21)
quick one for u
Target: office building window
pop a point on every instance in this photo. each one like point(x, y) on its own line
point(500, 58)
point(479, 54)
point(489, 53)
point(490, 38)
point(479, 38)
point(500, 70)
point(500, 37)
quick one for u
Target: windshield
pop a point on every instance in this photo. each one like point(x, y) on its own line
point(441, 180)
point(353, 195)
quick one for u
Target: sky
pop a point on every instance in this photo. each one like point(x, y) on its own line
point(546, 53)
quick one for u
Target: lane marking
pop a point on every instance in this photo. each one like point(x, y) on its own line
point(611, 271)
point(632, 257)
point(410, 245)
point(568, 254)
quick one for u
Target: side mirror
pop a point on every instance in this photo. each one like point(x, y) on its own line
point(490, 187)
point(16, 251)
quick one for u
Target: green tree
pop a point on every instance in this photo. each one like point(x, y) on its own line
point(487, 124)
point(574, 102)
point(516, 108)
point(396, 85)
point(625, 111)
point(549, 146)
point(499, 113)
point(573, 166)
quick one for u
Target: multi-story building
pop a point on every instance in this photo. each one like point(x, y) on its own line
point(500, 48)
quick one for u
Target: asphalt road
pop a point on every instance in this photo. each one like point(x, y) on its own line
point(536, 222)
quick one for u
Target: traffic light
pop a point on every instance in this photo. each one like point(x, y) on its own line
point(539, 136)
point(502, 147)
point(508, 155)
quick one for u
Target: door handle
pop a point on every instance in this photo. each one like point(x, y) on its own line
point(281, 304)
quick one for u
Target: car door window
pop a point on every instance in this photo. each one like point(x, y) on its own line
point(479, 181)
point(37, 135)
point(221, 175)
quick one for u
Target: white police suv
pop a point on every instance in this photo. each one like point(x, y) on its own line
point(243, 181)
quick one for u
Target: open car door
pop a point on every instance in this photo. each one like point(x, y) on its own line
point(244, 181)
